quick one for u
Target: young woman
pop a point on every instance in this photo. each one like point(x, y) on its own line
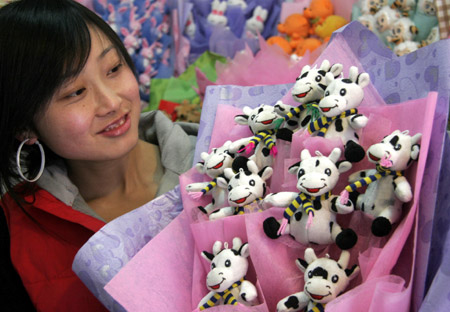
point(75, 151)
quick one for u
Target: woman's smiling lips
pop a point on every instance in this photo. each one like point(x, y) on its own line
point(118, 127)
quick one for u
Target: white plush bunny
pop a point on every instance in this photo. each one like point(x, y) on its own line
point(217, 15)
point(256, 23)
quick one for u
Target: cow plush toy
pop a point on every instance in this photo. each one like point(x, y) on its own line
point(310, 216)
point(226, 280)
point(308, 90)
point(340, 118)
point(387, 187)
point(246, 186)
point(261, 121)
point(213, 166)
point(325, 279)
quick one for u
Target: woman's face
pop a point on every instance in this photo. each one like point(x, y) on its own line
point(95, 116)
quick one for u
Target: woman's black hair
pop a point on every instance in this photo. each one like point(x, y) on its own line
point(43, 43)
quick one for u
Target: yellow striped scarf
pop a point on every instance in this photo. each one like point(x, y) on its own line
point(317, 307)
point(304, 200)
point(226, 295)
point(209, 187)
point(265, 136)
point(324, 123)
point(381, 172)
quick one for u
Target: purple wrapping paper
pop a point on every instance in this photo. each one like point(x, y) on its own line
point(108, 250)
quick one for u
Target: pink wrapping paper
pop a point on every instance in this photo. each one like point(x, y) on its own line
point(148, 281)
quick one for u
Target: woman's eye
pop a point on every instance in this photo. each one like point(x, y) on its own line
point(115, 69)
point(76, 93)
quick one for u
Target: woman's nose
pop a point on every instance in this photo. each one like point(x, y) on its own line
point(108, 100)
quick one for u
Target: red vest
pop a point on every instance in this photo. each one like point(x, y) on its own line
point(43, 249)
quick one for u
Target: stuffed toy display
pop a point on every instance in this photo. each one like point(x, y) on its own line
point(310, 216)
point(403, 25)
point(308, 90)
point(387, 186)
point(325, 279)
point(340, 116)
point(226, 280)
point(213, 166)
point(246, 186)
point(261, 121)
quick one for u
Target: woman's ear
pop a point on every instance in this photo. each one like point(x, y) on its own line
point(30, 135)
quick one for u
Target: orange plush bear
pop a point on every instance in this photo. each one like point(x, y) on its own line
point(307, 44)
point(281, 42)
point(296, 26)
point(318, 11)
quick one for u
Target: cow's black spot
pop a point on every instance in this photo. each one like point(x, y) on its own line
point(356, 136)
point(346, 80)
point(362, 207)
point(338, 125)
point(213, 201)
point(298, 215)
point(266, 151)
point(306, 121)
point(333, 204)
point(331, 226)
point(363, 174)
point(292, 303)
point(292, 123)
point(317, 204)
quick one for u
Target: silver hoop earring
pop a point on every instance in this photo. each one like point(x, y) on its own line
point(19, 168)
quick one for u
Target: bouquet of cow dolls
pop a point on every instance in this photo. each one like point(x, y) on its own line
point(333, 177)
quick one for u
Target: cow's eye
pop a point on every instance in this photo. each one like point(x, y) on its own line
point(310, 275)
point(230, 187)
point(343, 92)
point(318, 78)
point(301, 172)
point(327, 93)
point(253, 117)
point(227, 263)
point(213, 266)
point(397, 147)
point(328, 172)
point(335, 279)
point(252, 182)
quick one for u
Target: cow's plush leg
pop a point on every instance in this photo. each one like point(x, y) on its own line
point(344, 238)
point(354, 152)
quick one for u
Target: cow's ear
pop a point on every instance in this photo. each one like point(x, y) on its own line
point(301, 264)
point(241, 119)
point(293, 169)
point(265, 173)
point(200, 166)
point(244, 251)
point(363, 79)
point(336, 69)
point(343, 166)
point(352, 272)
point(222, 182)
point(208, 256)
point(415, 149)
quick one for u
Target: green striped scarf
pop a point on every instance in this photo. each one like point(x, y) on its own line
point(324, 123)
point(226, 295)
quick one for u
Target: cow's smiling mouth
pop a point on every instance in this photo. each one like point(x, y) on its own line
point(241, 200)
point(327, 109)
point(302, 95)
point(217, 286)
point(219, 165)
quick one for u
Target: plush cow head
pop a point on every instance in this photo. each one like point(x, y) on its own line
point(311, 83)
point(247, 185)
point(399, 148)
point(319, 174)
point(215, 162)
point(343, 93)
point(258, 119)
point(227, 265)
point(325, 278)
